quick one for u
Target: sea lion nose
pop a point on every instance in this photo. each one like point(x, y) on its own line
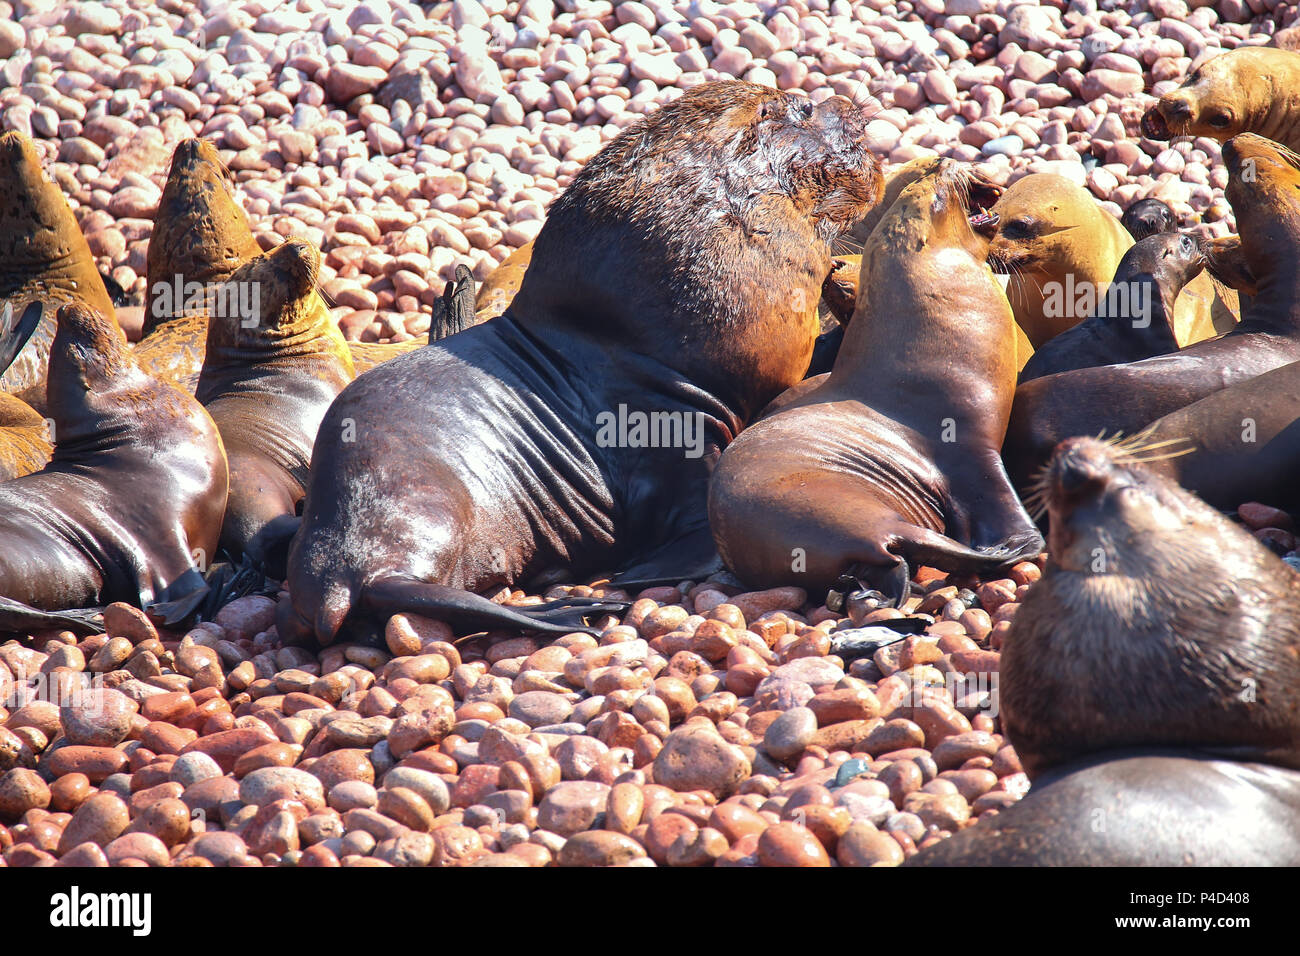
point(1076, 471)
point(1178, 110)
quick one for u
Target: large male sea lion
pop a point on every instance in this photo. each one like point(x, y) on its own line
point(1135, 319)
point(1251, 89)
point(1128, 397)
point(134, 492)
point(1150, 683)
point(269, 373)
point(24, 439)
point(893, 459)
point(1061, 250)
point(44, 262)
point(657, 301)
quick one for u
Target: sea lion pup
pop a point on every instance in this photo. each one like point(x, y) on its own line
point(1150, 683)
point(1136, 318)
point(660, 284)
point(1061, 248)
point(1247, 90)
point(44, 262)
point(24, 439)
point(133, 494)
point(892, 460)
point(269, 373)
point(1148, 217)
point(1126, 398)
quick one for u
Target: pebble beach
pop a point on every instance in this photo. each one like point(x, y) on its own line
point(707, 726)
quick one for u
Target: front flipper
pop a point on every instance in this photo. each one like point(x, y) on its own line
point(18, 617)
point(454, 312)
point(691, 557)
point(468, 613)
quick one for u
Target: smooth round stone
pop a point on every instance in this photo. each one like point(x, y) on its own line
point(788, 844)
point(98, 717)
point(599, 848)
point(99, 820)
point(432, 788)
point(1010, 145)
point(864, 845)
point(696, 757)
point(538, 708)
point(790, 734)
point(192, 767)
point(849, 769)
point(281, 783)
point(20, 791)
point(340, 766)
point(572, 806)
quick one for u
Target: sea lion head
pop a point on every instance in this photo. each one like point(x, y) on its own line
point(1157, 622)
point(200, 234)
point(936, 209)
point(36, 226)
point(89, 359)
point(267, 298)
point(1038, 225)
point(1172, 259)
point(1264, 191)
point(1224, 96)
point(897, 180)
point(702, 234)
point(1148, 217)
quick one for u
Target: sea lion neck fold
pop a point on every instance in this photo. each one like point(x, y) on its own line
point(707, 189)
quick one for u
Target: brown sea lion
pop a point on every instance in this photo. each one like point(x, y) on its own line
point(134, 492)
point(44, 262)
point(498, 290)
point(891, 461)
point(1128, 397)
point(1251, 89)
point(1241, 443)
point(1061, 250)
point(659, 286)
point(1148, 217)
point(24, 439)
point(1135, 320)
point(1150, 683)
point(269, 373)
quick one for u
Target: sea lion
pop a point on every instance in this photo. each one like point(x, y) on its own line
point(1128, 397)
point(892, 460)
point(498, 290)
point(1136, 318)
point(1150, 683)
point(1239, 444)
point(1148, 217)
point(269, 373)
point(1061, 249)
point(1251, 89)
point(24, 439)
point(134, 492)
point(659, 286)
point(44, 262)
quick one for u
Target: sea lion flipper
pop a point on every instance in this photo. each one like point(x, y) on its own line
point(16, 616)
point(454, 311)
point(16, 330)
point(464, 610)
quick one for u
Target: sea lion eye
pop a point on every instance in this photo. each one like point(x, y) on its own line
point(1018, 229)
point(1220, 120)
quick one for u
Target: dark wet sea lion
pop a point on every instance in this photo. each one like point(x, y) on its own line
point(1150, 683)
point(891, 461)
point(1247, 90)
point(44, 263)
point(526, 454)
point(1136, 319)
point(1148, 217)
point(1127, 398)
point(24, 439)
point(133, 494)
point(1052, 236)
point(269, 373)
point(1242, 443)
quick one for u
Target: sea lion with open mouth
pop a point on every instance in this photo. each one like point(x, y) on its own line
point(892, 460)
point(1150, 683)
point(659, 292)
point(130, 505)
point(1252, 89)
point(1127, 398)
point(44, 263)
